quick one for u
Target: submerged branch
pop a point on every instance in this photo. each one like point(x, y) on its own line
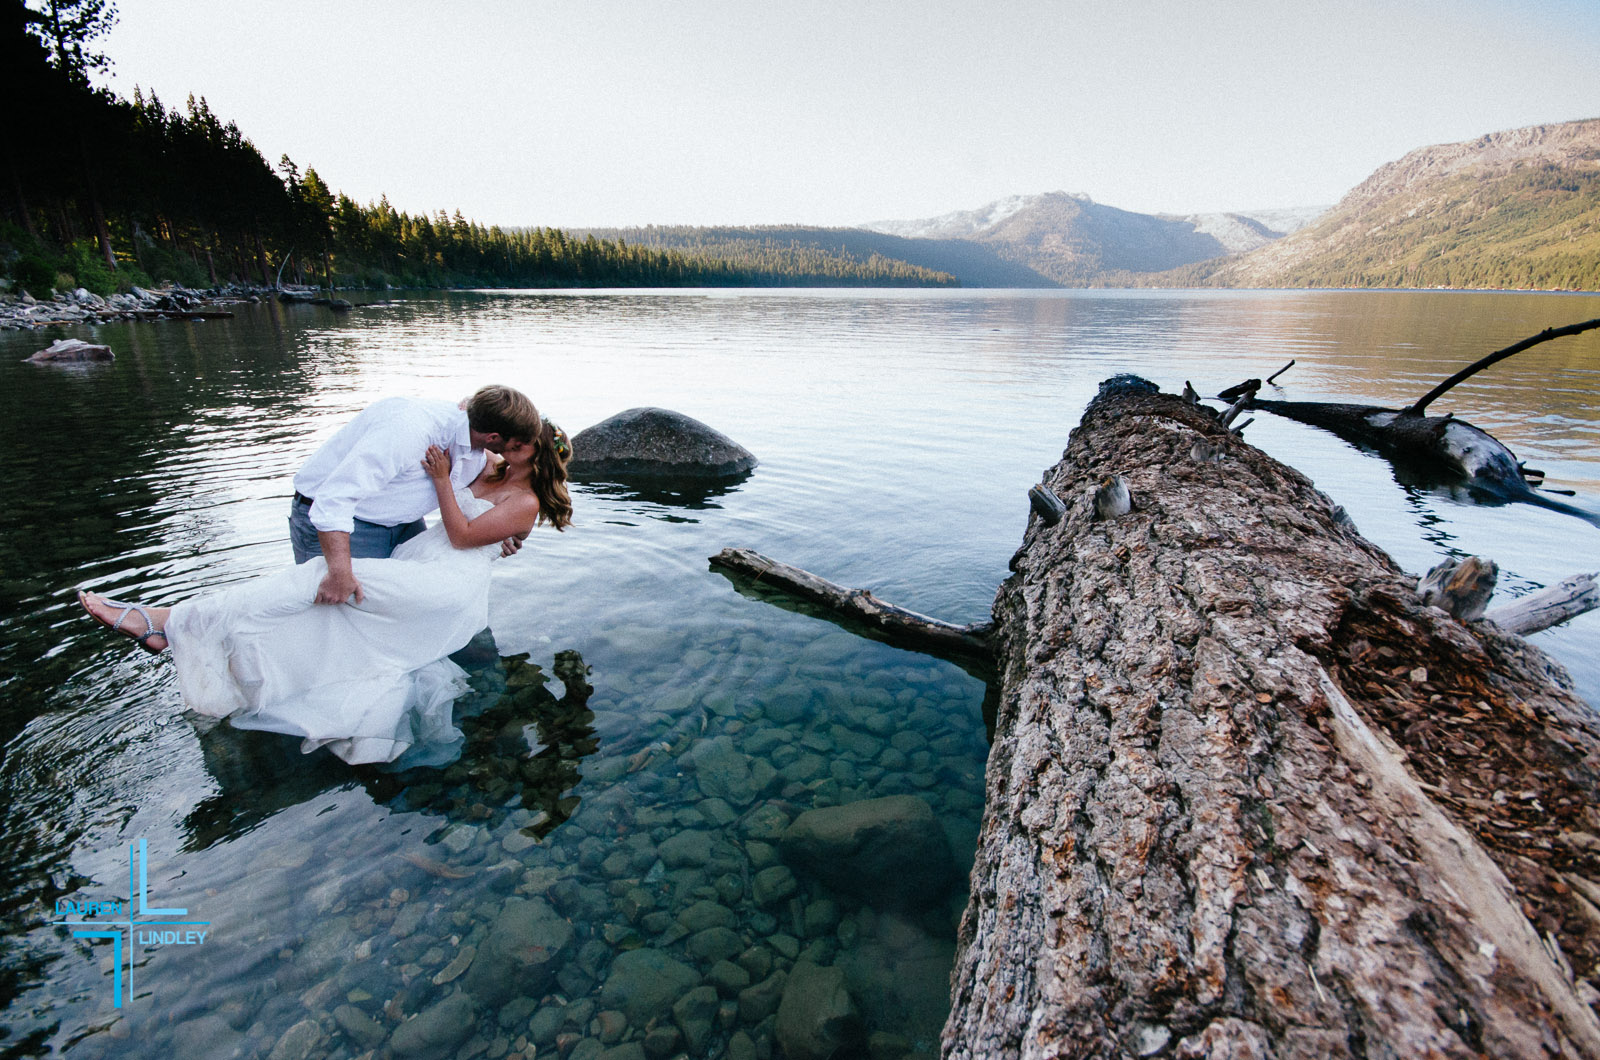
point(899, 626)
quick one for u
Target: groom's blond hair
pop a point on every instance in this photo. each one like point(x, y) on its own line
point(503, 411)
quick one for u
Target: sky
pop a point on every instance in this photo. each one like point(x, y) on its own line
point(594, 113)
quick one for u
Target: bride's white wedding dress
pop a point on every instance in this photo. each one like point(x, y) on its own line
point(364, 680)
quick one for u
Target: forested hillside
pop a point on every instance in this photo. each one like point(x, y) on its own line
point(1517, 209)
point(104, 192)
point(803, 247)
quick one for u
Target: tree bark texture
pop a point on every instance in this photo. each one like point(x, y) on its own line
point(1249, 797)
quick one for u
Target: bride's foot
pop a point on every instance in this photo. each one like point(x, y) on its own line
point(127, 618)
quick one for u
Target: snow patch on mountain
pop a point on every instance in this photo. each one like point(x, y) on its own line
point(961, 224)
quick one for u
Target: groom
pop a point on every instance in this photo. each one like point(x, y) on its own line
point(364, 491)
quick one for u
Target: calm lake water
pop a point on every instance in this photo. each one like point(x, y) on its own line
point(898, 434)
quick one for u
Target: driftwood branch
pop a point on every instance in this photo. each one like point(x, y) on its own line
point(1499, 355)
point(1280, 371)
point(1237, 407)
point(1249, 796)
point(1567, 599)
point(899, 626)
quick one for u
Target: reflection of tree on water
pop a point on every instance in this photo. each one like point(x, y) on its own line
point(519, 740)
point(527, 743)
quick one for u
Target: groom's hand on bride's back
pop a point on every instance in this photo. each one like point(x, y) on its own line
point(511, 546)
point(339, 586)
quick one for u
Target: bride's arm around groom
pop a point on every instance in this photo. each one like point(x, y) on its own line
point(364, 491)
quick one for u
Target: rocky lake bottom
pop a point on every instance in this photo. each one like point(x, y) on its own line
point(769, 860)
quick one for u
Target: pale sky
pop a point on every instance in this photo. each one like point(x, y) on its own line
point(597, 113)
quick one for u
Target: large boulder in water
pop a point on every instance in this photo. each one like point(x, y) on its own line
point(658, 443)
point(888, 851)
point(72, 351)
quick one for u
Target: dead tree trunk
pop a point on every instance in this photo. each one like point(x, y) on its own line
point(1248, 797)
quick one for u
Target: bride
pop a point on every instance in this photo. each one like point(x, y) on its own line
point(369, 679)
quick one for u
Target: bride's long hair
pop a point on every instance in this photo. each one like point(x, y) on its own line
point(547, 475)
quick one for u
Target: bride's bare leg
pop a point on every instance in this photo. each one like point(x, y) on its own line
point(117, 617)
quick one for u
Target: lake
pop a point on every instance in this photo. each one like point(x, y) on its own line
point(898, 434)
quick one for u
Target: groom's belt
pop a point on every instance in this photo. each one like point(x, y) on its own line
point(301, 498)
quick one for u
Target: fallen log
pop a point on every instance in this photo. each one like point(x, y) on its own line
point(1249, 796)
point(1565, 600)
point(898, 625)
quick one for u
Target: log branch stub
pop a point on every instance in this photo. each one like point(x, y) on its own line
point(1460, 587)
point(1249, 796)
point(898, 625)
point(1046, 505)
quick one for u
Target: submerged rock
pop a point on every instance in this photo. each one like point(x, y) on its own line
point(521, 954)
point(645, 983)
point(435, 1031)
point(71, 351)
point(657, 442)
point(887, 850)
point(817, 1018)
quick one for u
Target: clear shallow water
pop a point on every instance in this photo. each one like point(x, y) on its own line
point(898, 434)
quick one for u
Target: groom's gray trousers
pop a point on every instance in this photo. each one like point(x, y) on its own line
point(367, 540)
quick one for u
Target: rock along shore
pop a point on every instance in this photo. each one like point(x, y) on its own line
point(21, 311)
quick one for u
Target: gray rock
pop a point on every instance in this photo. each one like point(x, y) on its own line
point(435, 1031)
point(644, 983)
point(208, 1037)
point(821, 917)
point(662, 1042)
point(625, 1051)
point(773, 885)
point(657, 442)
point(297, 1042)
point(758, 1002)
point(71, 351)
point(361, 1028)
point(610, 1026)
point(703, 915)
point(817, 1018)
point(888, 851)
point(686, 850)
point(728, 978)
point(695, 1013)
point(546, 1024)
point(524, 949)
point(714, 944)
point(722, 771)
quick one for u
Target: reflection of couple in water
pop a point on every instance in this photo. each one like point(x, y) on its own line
point(348, 648)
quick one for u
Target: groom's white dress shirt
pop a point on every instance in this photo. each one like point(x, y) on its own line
point(372, 468)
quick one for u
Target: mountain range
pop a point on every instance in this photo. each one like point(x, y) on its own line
point(1072, 241)
point(1511, 209)
point(1518, 209)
